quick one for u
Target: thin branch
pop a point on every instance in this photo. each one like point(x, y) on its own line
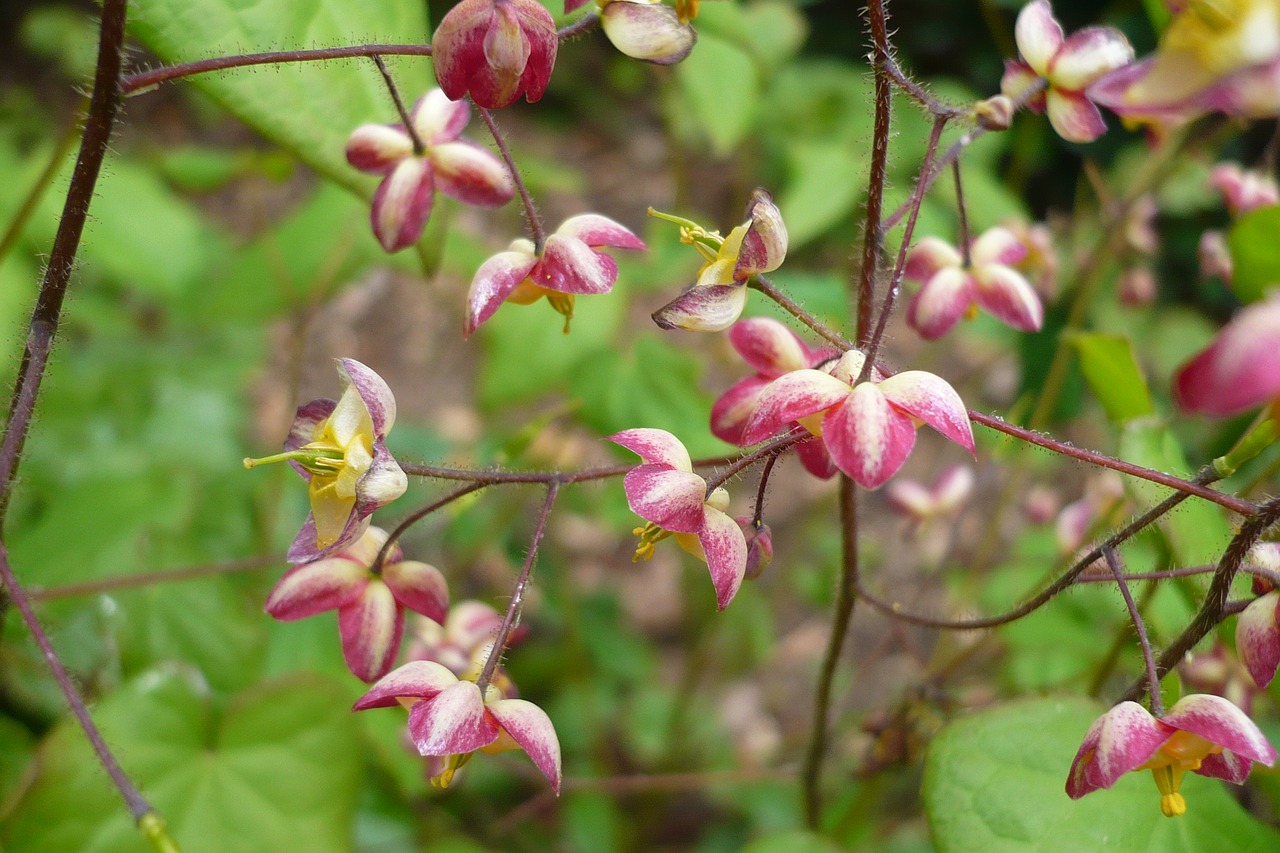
point(1153, 680)
point(74, 590)
point(762, 284)
point(873, 229)
point(415, 517)
point(418, 147)
point(962, 210)
point(530, 210)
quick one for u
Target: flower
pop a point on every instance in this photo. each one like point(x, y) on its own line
point(869, 427)
point(645, 29)
point(1201, 733)
point(759, 546)
point(773, 350)
point(457, 167)
point(1258, 637)
point(666, 493)
point(1067, 65)
point(921, 503)
point(495, 51)
point(716, 299)
point(370, 605)
point(951, 289)
point(1215, 56)
point(339, 449)
point(1239, 370)
point(571, 263)
point(1243, 190)
point(450, 718)
point(1220, 672)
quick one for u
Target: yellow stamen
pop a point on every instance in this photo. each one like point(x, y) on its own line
point(649, 535)
point(563, 303)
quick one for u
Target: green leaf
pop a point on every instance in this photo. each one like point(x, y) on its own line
point(307, 108)
point(1111, 369)
point(279, 770)
point(825, 180)
point(722, 88)
point(1255, 253)
point(994, 782)
point(17, 747)
point(792, 841)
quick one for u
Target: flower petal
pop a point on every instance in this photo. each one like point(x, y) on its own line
point(725, 549)
point(452, 723)
point(438, 119)
point(402, 204)
point(997, 245)
point(768, 346)
point(649, 32)
point(1018, 78)
point(1220, 722)
point(378, 148)
point(1074, 116)
point(597, 231)
point(316, 587)
point(374, 393)
point(494, 281)
point(571, 266)
point(764, 245)
point(382, 483)
point(702, 308)
point(940, 303)
point(371, 628)
point(1038, 34)
point(1119, 741)
point(1239, 370)
point(931, 399)
point(306, 423)
point(868, 439)
point(673, 500)
point(420, 678)
point(1005, 294)
point(929, 256)
point(655, 446)
point(733, 410)
point(419, 587)
point(530, 727)
point(1227, 766)
point(305, 547)
point(815, 458)
point(471, 174)
point(1088, 54)
point(790, 397)
point(457, 46)
point(1258, 638)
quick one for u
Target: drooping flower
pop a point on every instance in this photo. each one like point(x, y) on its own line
point(773, 350)
point(449, 718)
point(1067, 65)
point(1239, 370)
point(869, 427)
point(1201, 734)
point(666, 493)
point(645, 29)
point(759, 546)
point(495, 51)
point(370, 606)
point(1243, 190)
point(572, 262)
point(951, 289)
point(1258, 637)
point(457, 167)
point(339, 449)
point(922, 503)
point(716, 299)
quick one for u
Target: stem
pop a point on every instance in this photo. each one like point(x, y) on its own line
point(811, 772)
point(1153, 680)
point(530, 211)
point(73, 590)
point(415, 517)
point(517, 594)
point(418, 148)
point(873, 231)
point(963, 211)
point(758, 516)
point(760, 283)
point(919, 93)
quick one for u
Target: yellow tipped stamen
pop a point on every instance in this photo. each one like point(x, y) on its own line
point(649, 535)
point(563, 303)
point(687, 10)
point(1168, 780)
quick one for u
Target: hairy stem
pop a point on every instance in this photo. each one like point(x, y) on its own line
point(1153, 680)
point(873, 230)
point(530, 210)
point(418, 147)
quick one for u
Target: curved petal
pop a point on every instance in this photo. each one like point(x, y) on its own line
point(1074, 116)
point(940, 303)
point(768, 346)
point(868, 439)
point(457, 45)
point(1226, 766)
point(452, 723)
point(1018, 78)
point(1121, 740)
point(673, 500)
point(471, 174)
point(997, 245)
point(419, 587)
point(815, 458)
point(1239, 370)
point(911, 498)
point(703, 308)
point(571, 266)
point(316, 587)
point(930, 256)
point(438, 119)
point(733, 410)
point(1006, 295)
point(655, 446)
point(306, 548)
point(374, 393)
point(931, 399)
point(540, 30)
point(494, 281)
point(596, 231)
point(529, 726)
point(649, 32)
point(306, 425)
point(402, 204)
point(764, 245)
point(1258, 638)
point(725, 549)
point(382, 483)
point(420, 678)
point(1038, 34)
point(371, 628)
point(378, 148)
point(1088, 54)
point(791, 397)
point(1220, 722)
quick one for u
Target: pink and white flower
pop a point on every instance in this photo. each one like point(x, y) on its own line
point(1201, 734)
point(457, 167)
point(644, 29)
point(951, 289)
point(495, 51)
point(1258, 637)
point(666, 493)
point(572, 263)
point(1067, 65)
point(944, 499)
point(773, 350)
point(450, 719)
point(1242, 189)
point(1239, 370)
point(370, 606)
point(869, 427)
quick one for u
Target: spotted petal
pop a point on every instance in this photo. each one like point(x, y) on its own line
point(1121, 740)
point(1006, 295)
point(1220, 722)
point(868, 438)
point(655, 446)
point(454, 722)
point(703, 308)
point(768, 346)
point(472, 174)
point(402, 204)
point(651, 32)
point(725, 549)
point(764, 245)
point(495, 280)
point(733, 410)
point(419, 587)
point(931, 399)
point(597, 231)
point(374, 393)
point(316, 587)
point(421, 679)
point(371, 628)
point(673, 500)
point(571, 266)
point(529, 726)
point(378, 148)
point(1258, 638)
point(940, 303)
point(791, 397)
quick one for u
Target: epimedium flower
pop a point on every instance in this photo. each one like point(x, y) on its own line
point(772, 350)
point(338, 448)
point(1219, 671)
point(1258, 626)
point(1243, 190)
point(450, 719)
point(945, 498)
point(495, 51)
point(572, 262)
point(952, 288)
point(666, 493)
point(1068, 65)
point(716, 299)
point(646, 29)
point(1239, 370)
point(1201, 734)
point(457, 167)
point(869, 427)
point(370, 604)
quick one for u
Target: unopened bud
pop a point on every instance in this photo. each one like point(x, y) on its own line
point(995, 113)
point(759, 546)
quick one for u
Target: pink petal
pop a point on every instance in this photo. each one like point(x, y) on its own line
point(1038, 35)
point(725, 548)
point(649, 32)
point(457, 46)
point(910, 498)
point(374, 393)
point(316, 587)
point(597, 231)
point(706, 308)
point(1074, 116)
point(303, 549)
point(472, 622)
point(402, 204)
point(303, 431)
point(930, 399)
point(371, 628)
point(954, 487)
point(378, 148)
point(1087, 55)
point(574, 5)
point(540, 29)
point(655, 446)
point(382, 483)
point(471, 174)
point(1220, 722)
point(940, 303)
point(816, 459)
point(768, 346)
point(1258, 638)
point(1006, 295)
point(764, 246)
point(673, 500)
point(530, 727)
point(791, 397)
point(868, 439)
point(997, 245)
point(929, 256)
point(1227, 766)
point(419, 587)
point(453, 723)
point(438, 119)
point(494, 281)
point(1240, 370)
point(420, 678)
point(733, 410)
point(571, 266)
point(1121, 740)
point(1018, 78)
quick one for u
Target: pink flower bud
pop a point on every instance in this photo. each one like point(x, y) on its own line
point(1240, 370)
point(648, 30)
point(759, 546)
point(495, 51)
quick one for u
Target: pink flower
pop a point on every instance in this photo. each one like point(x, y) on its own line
point(1243, 189)
point(666, 493)
point(449, 718)
point(1220, 672)
point(1201, 733)
point(759, 546)
point(773, 350)
point(370, 606)
point(952, 290)
point(495, 51)
point(869, 428)
point(644, 29)
point(943, 499)
point(1239, 370)
point(572, 262)
point(457, 167)
point(1068, 65)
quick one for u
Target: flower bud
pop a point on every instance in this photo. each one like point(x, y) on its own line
point(495, 51)
point(759, 546)
point(995, 113)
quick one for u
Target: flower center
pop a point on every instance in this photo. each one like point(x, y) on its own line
point(649, 535)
